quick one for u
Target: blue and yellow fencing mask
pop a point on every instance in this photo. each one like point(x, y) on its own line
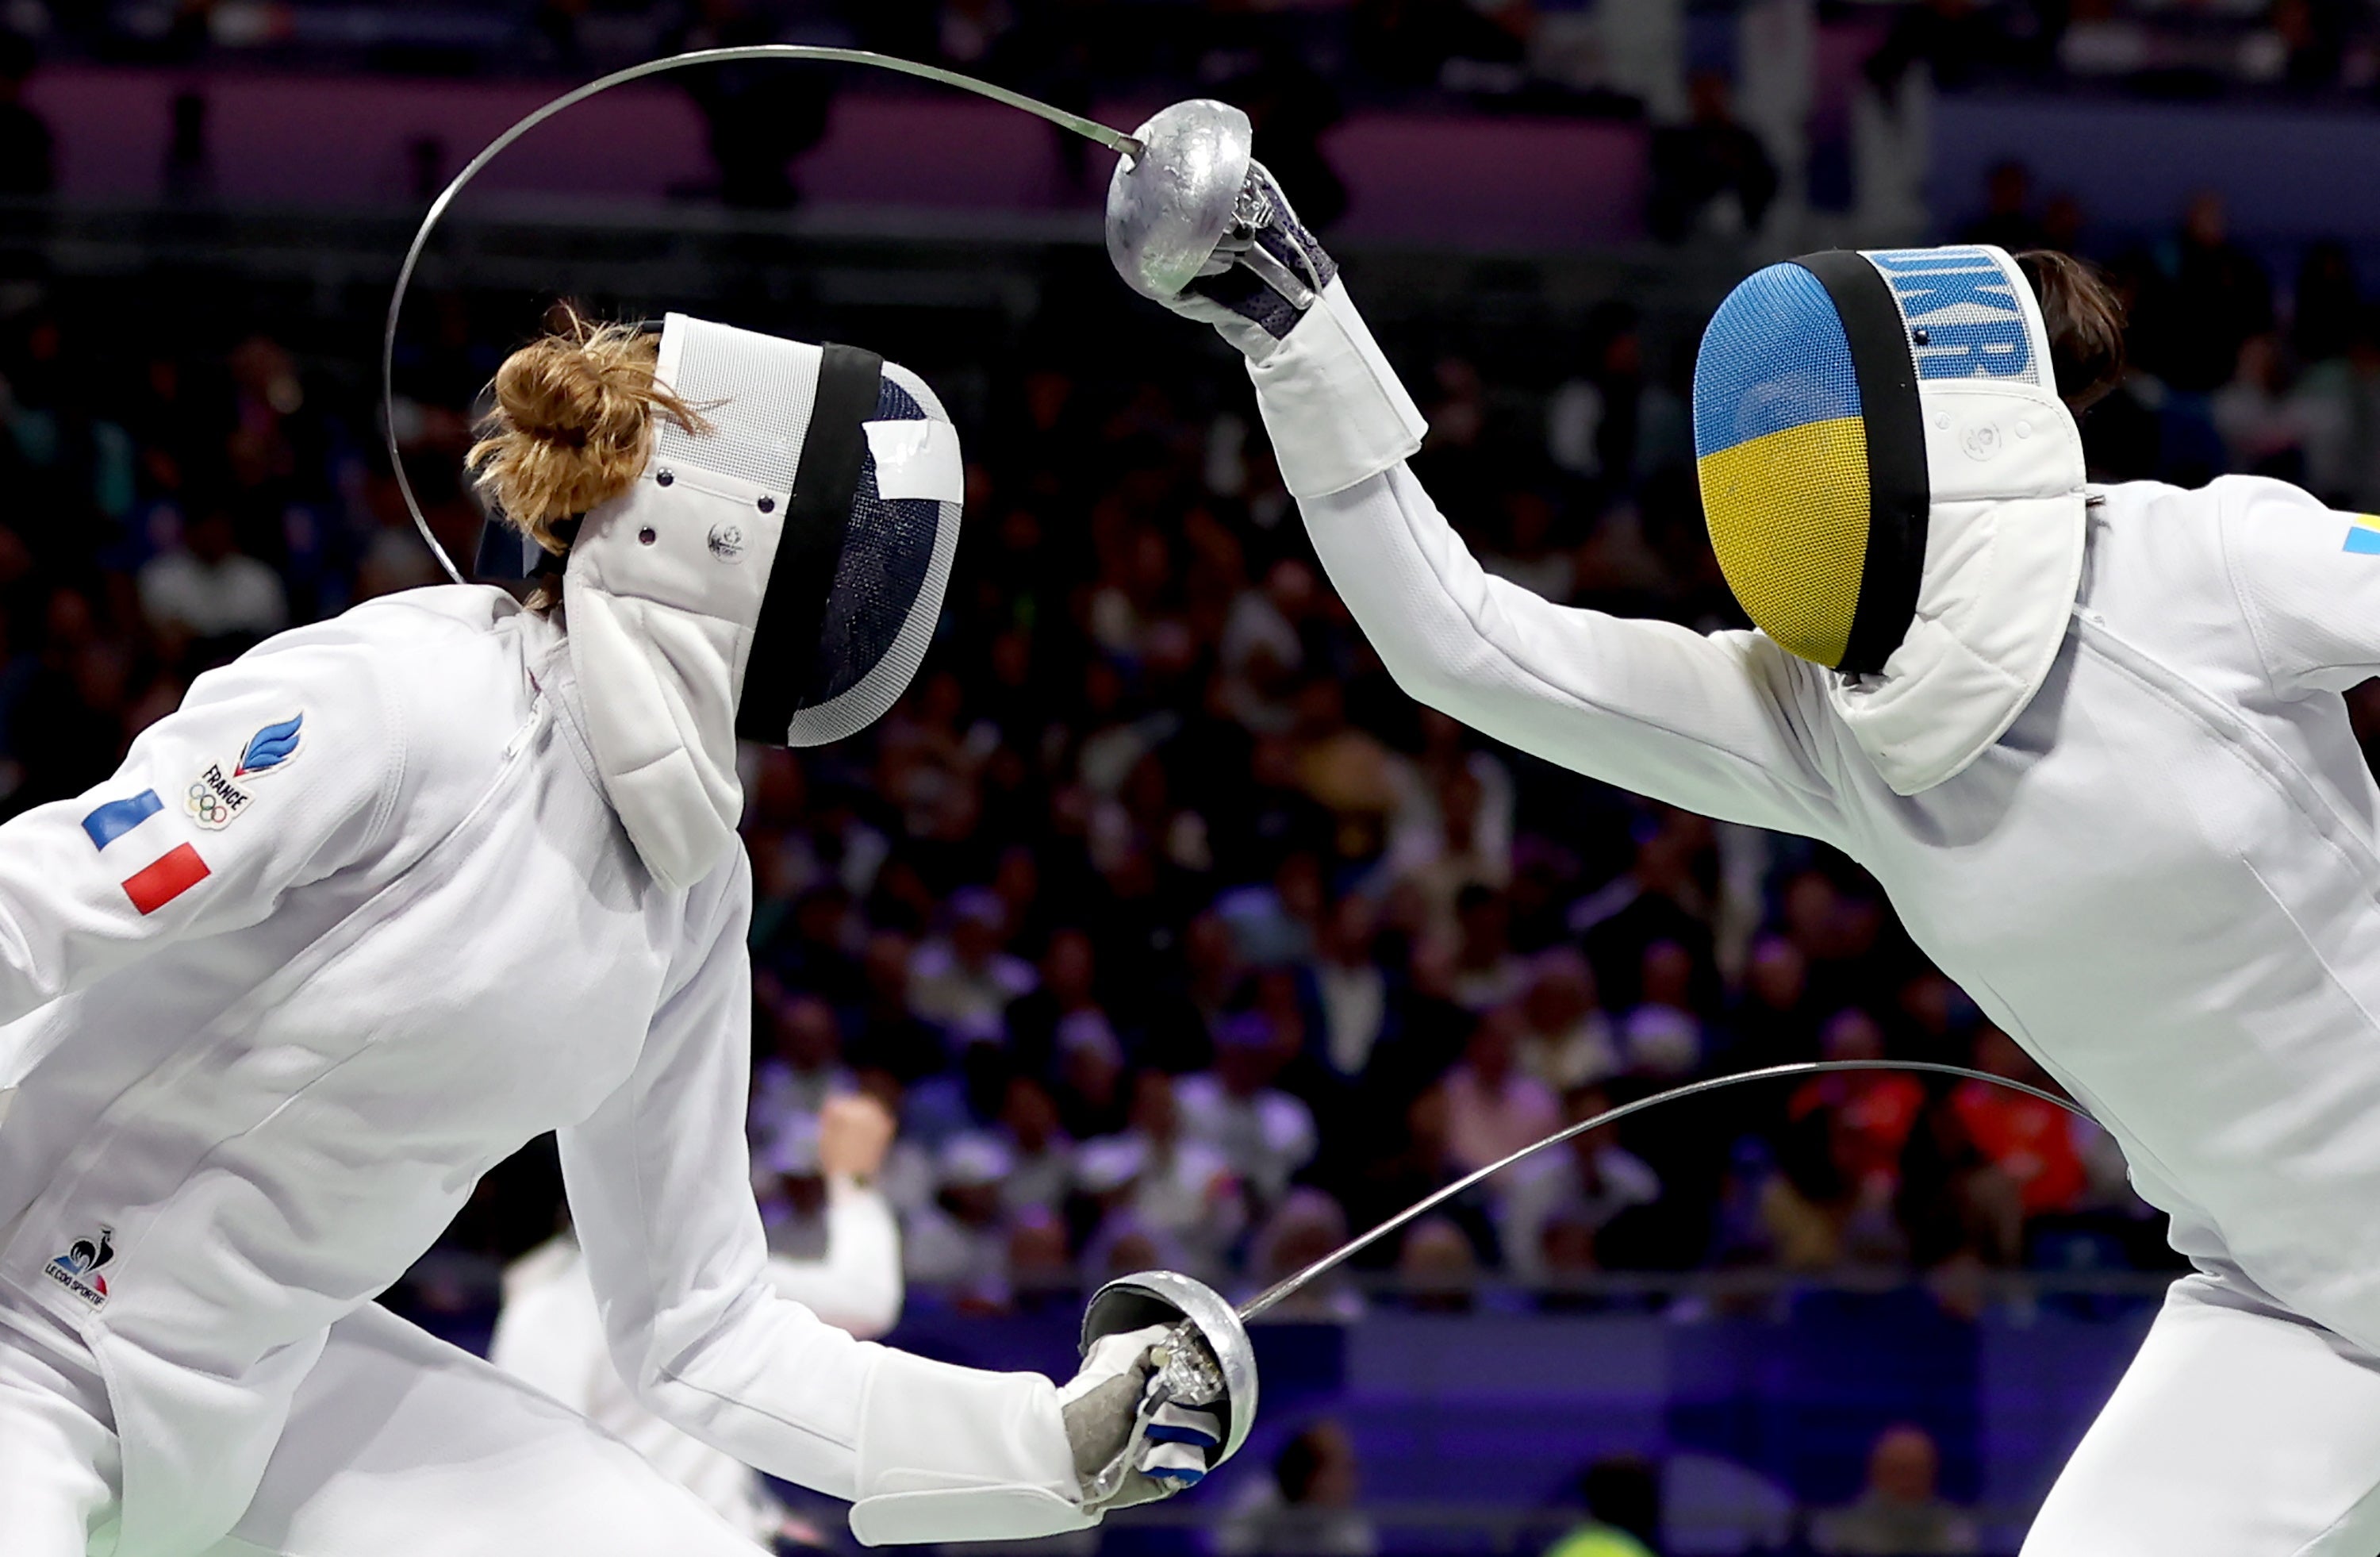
point(1894, 489)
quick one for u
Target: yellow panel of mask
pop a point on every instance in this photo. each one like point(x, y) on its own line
point(1789, 517)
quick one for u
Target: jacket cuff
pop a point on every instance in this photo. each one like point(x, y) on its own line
point(1333, 407)
point(956, 1455)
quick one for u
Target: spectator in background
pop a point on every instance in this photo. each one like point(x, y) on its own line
point(959, 1241)
point(1565, 1039)
point(802, 1066)
point(1867, 1114)
point(1310, 1507)
point(28, 154)
point(758, 117)
point(1493, 1108)
point(2029, 1142)
point(1091, 1093)
point(892, 1036)
point(2214, 296)
point(963, 978)
point(2326, 305)
point(1487, 973)
point(1902, 1512)
point(1040, 1155)
point(1710, 173)
point(1350, 989)
point(1436, 1267)
point(2007, 220)
point(2267, 427)
point(1773, 1017)
point(1264, 1133)
point(1623, 1510)
point(1586, 1184)
point(1155, 1177)
point(1661, 1036)
point(209, 600)
point(1067, 992)
point(1307, 1225)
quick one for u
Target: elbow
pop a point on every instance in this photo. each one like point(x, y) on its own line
point(1435, 680)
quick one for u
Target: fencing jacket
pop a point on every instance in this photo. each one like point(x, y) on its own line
point(550, 1333)
point(343, 933)
point(2161, 880)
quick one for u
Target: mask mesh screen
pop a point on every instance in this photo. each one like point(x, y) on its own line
point(888, 589)
point(1781, 453)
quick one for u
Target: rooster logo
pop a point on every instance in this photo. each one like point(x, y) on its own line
point(78, 1269)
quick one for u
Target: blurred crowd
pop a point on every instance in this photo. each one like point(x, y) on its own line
point(1592, 55)
point(1174, 933)
point(1171, 930)
point(1622, 1505)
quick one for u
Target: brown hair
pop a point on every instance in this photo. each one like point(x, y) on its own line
point(2085, 319)
point(572, 425)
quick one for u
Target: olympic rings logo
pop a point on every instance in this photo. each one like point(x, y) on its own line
point(211, 808)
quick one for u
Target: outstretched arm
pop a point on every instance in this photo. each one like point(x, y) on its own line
point(1725, 725)
point(1719, 723)
point(661, 1192)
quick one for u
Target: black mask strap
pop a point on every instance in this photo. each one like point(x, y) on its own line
point(818, 515)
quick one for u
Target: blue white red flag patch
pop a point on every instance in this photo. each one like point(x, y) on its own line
point(117, 818)
point(163, 879)
point(154, 885)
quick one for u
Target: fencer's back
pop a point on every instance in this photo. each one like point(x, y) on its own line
point(265, 1123)
point(2162, 880)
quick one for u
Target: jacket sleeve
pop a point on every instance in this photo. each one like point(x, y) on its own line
point(660, 1188)
point(1723, 724)
point(277, 771)
point(2308, 581)
point(1719, 723)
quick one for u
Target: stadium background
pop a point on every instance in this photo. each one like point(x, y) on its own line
point(1176, 933)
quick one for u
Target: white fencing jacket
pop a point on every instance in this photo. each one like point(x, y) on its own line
point(343, 933)
point(2164, 880)
point(550, 1334)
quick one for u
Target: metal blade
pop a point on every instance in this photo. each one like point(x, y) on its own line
point(1091, 129)
point(1339, 1256)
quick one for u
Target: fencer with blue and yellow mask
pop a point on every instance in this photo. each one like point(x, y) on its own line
point(1895, 490)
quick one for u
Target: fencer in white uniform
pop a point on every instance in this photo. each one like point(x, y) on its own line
point(2091, 740)
point(550, 1332)
point(395, 893)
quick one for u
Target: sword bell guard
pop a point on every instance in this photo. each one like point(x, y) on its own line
point(1169, 1298)
point(1170, 206)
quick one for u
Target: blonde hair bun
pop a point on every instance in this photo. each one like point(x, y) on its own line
point(572, 425)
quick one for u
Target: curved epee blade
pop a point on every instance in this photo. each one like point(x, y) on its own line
point(1090, 129)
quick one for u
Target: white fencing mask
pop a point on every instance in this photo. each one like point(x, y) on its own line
point(776, 576)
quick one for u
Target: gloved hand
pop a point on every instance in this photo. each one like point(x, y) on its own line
point(1267, 272)
point(1133, 1443)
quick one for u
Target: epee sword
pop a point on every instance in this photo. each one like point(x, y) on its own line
point(1202, 180)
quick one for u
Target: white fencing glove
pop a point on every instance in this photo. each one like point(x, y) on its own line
point(1336, 413)
point(1133, 1441)
point(1263, 276)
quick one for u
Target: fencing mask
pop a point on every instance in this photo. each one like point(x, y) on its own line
point(1894, 489)
point(775, 574)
